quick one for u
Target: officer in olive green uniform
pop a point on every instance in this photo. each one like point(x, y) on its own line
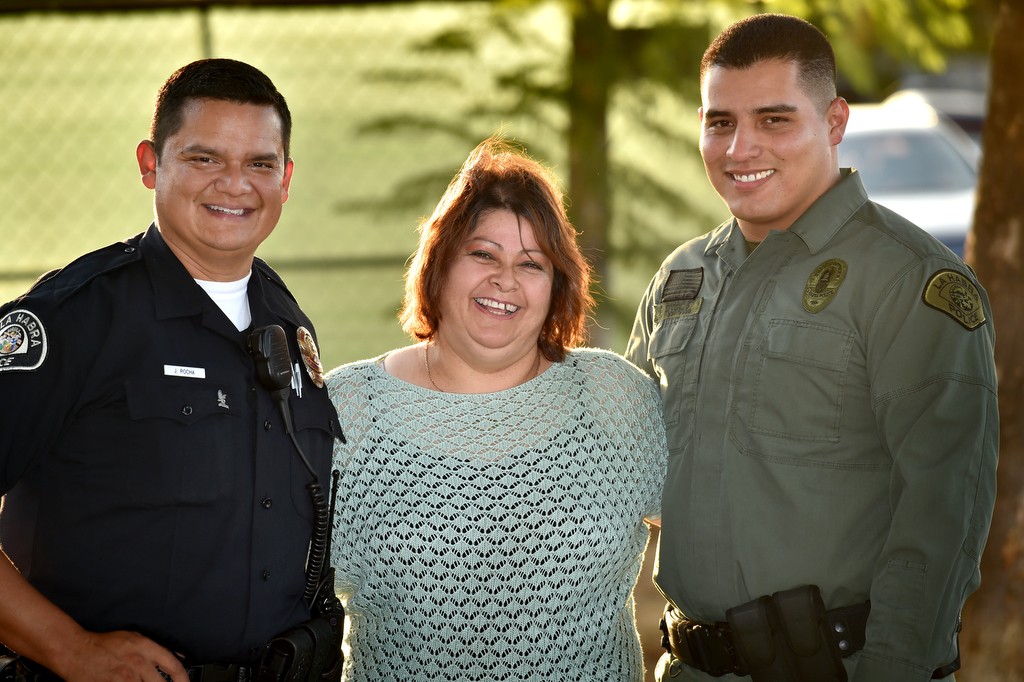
point(830, 397)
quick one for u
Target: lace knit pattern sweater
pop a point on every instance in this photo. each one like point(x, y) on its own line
point(495, 536)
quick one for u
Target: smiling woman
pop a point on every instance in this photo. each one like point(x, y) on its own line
point(506, 211)
point(497, 475)
point(496, 301)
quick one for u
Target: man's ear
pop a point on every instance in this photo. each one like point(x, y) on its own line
point(286, 180)
point(146, 155)
point(838, 115)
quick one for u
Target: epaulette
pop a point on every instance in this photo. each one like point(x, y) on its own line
point(60, 283)
point(268, 273)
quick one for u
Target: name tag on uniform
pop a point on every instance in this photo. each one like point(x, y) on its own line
point(189, 372)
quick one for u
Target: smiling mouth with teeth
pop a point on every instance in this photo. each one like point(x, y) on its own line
point(229, 211)
point(497, 307)
point(752, 176)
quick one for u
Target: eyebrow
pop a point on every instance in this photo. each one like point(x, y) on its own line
point(776, 109)
point(760, 111)
point(500, 247)
point(210, 151)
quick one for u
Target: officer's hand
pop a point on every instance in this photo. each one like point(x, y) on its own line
point(121, 657)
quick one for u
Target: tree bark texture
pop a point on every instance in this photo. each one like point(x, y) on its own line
point(992, 641)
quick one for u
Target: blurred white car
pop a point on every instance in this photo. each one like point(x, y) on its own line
point(916, 162)
point(966, 108)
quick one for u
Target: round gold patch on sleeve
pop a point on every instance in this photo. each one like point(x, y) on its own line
point(956, 295)
point(823, 284)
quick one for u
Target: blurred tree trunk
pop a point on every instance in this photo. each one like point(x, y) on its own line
point(994, 617)
point(590, 82)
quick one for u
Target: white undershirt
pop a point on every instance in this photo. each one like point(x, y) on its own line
point(231, 298)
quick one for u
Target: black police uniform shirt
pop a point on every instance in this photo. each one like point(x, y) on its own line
point(150, 483)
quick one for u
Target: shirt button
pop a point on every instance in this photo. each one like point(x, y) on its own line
point(186, 410)
point(266, 425)
point(266, 574)
point(267, 503)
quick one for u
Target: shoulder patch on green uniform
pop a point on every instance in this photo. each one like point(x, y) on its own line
point(823, 284)
point(954, 294)
point(22, 341)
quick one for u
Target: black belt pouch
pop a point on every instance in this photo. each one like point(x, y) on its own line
point(760, 642)
point(806, 627)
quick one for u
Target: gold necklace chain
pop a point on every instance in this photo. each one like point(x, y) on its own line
point(430, 377)
point(426, 363)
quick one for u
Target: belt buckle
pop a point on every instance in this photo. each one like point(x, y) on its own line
point(216, 672)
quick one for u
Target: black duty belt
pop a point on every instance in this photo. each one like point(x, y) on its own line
point(17, 669)
point(709, 647)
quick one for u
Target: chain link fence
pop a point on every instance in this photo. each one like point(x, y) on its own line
point(78, 91)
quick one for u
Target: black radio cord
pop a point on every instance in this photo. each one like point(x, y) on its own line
point(272, 361)
point(321, 524)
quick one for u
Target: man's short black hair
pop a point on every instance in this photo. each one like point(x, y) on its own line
point(217, 79)
point(764, 37)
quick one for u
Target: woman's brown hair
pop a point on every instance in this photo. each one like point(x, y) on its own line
point(497, 177)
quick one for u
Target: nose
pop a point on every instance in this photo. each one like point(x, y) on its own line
point(233, 180)
point(744, 144)
point(504, 279)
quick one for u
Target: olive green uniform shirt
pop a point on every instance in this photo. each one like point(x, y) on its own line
point(830, 401)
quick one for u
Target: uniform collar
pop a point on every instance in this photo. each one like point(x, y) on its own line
point(263, 300)
point(178, 295)
point(831, 211)
point(175, 291)
point(815, 227)
point(726, 241)
point(719, 236)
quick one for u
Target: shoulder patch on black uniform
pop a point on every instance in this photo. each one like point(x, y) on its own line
point(950, 292)
point(22, 341)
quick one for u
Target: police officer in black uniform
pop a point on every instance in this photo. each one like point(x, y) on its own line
point(157, 509)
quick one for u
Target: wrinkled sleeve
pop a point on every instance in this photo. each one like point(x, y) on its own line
point(640, 337)
point(934, 399)
point(655, 445)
